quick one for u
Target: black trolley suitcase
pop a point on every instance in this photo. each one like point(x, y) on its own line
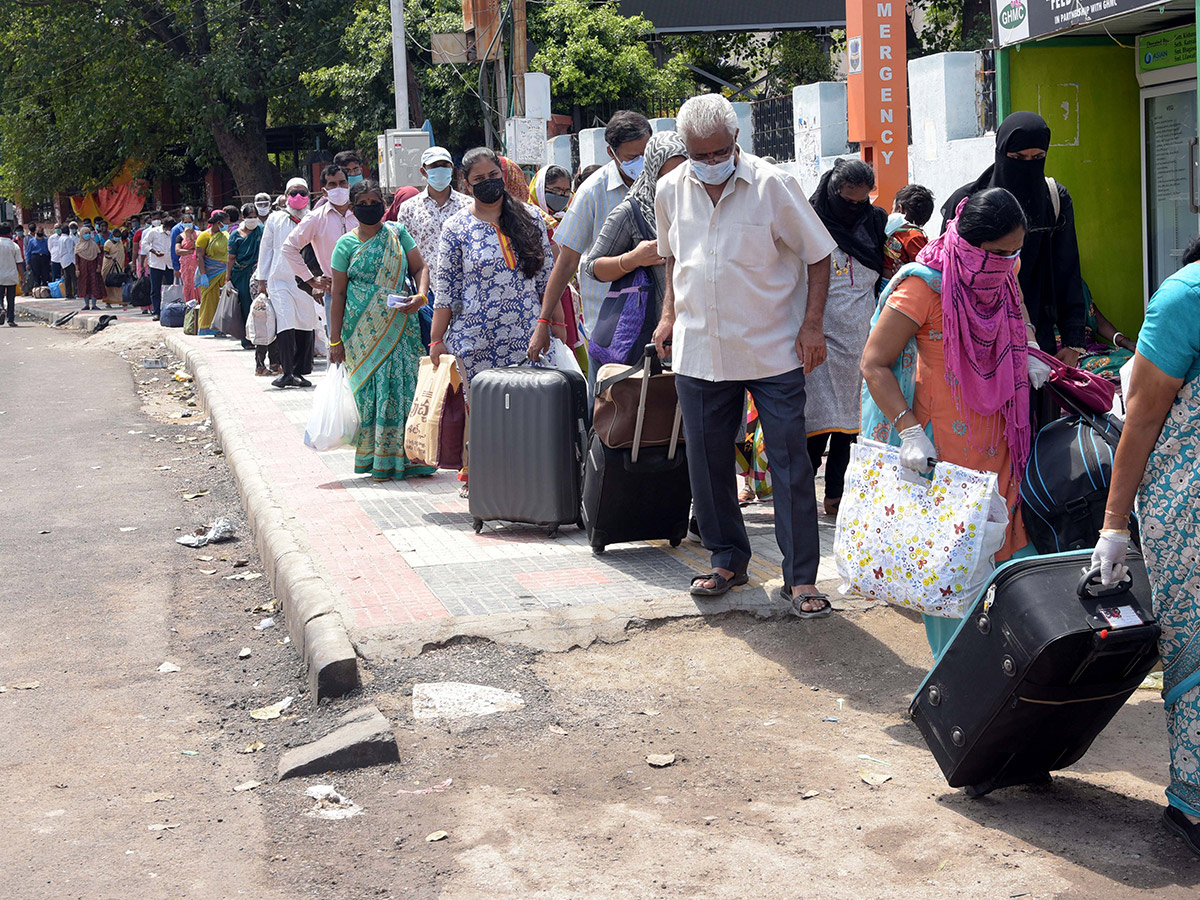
point(640, 493)
point(526, 446)
point(1039, 666)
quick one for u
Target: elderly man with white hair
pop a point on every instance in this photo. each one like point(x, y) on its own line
point(747, 273)
point(295, 312)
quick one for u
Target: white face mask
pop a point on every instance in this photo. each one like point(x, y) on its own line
point(714, 173)
point(263, 207)
point(154, 223)
point(338, 196)
point(250, 224)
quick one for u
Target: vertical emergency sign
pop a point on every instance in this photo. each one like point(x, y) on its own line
point(877, 90)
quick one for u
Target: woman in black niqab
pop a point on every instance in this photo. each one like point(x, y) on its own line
point(1049, 275)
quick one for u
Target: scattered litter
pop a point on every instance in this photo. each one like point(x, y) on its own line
point(243, 576)
point(253, 748)
point(168, 667)
point(156, 797)
point(196, 496)
point(239, 563)
point(182, 375)
point(190, 752)
point(131, 432)
point(204, 558)
point(874, 760)
point(221, 530)
point(266, 623)
point(1152, 682)
point(808, 795)
point(162, 468)
point(163, 827)
point(769, 724)
point(154, 363)
point(247, 786)
point(830, 719)
point(272, 711)
point(330, 804)
point(268, 607)
point(207, 571)
point(129, 528)
point(432, 789)
point(3, 689)
point(244, 653)
point(286, 640)
point(875, 779)
point(554, 729)
point(43, 531)
point(456, 700)
point(436, 836)
point(648, 712)
point(660, 760)
point(26, 685)
point(840, 702)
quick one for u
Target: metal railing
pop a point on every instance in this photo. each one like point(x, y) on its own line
point(774, 128)
point(987, 92)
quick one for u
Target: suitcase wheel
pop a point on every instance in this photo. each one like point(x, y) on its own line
point(596, 551)
point(552, 532)
point(675, 542)
point(478, 526)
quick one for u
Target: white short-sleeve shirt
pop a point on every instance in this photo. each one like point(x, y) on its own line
point(741, 279)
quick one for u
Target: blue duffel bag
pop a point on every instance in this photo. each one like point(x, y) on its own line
point(171, 315)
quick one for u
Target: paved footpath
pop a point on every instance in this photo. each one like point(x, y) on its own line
point(402, 557)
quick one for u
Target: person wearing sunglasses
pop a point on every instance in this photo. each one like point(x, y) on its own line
point(967, 395)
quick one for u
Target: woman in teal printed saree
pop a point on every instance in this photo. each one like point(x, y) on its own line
point(379, 343)
point(1156, 461)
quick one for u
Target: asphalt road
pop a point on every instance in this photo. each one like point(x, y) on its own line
point(93, 589)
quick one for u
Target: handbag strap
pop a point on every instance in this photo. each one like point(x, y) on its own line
point(647, 364)
point(640, 221)
point(1103, 427)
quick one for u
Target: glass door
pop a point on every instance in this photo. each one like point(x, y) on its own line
point(1169, 161)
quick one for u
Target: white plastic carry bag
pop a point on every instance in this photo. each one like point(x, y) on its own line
point(926, 543)
point(334, 419)
point(260, 324)
point(560, 357)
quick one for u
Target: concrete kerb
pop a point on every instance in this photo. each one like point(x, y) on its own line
point(312, 610)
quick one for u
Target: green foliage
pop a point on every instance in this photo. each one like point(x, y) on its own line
point(954, 25)
point(779, 60)
point(90, 84)
point(592, 53)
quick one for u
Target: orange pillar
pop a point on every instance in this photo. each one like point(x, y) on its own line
point(877, 90)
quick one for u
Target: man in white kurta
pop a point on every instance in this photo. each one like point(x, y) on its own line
point(295, 312)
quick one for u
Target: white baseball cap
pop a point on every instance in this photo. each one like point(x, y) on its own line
point(436, 154)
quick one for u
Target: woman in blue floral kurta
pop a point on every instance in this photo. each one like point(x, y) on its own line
point(493, 304)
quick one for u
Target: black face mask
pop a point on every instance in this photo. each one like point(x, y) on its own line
point(369, 213)
point(847, 211)
point(488, 191)
point(557, 202)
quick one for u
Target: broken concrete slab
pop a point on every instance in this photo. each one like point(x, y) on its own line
point(456, 700)
point(363, 738)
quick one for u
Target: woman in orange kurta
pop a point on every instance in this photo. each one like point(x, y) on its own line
point(970, 401)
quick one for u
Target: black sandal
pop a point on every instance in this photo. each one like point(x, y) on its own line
point(722, 587)
point(785, 594)
point(1177, 822)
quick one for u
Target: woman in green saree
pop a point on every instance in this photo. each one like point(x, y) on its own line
point(242, 259)
point(375, 331)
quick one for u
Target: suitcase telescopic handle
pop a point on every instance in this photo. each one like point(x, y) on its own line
point(1093, 576)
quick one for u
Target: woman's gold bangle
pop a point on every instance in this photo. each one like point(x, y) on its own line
point(335, 343)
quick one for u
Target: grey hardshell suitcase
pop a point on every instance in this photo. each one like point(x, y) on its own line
point(1038, 667)
point(526, 446)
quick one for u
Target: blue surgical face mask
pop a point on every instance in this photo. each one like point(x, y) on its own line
point(439, 179)
point(633, 168)
point(353, 179)
point(714, 173)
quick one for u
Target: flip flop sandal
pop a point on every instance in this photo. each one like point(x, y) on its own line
point(1178, 823)
point(785, 594)
point(723, 584)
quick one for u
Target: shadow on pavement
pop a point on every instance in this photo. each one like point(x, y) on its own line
point(1126, 843)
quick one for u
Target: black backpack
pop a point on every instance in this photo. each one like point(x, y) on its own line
point(1065, 488)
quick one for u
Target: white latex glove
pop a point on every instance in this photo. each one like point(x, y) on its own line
point(1039, 372)
point(916, 450)
point(1109, 555)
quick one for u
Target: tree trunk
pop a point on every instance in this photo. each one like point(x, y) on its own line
point(245, 153)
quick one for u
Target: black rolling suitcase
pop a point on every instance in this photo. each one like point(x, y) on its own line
point(1037, 669)
point(639, 493)
point(526, 446)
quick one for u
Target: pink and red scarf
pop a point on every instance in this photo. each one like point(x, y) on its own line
point(984, 341)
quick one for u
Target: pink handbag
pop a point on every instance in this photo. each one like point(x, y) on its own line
point(1081, 387)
